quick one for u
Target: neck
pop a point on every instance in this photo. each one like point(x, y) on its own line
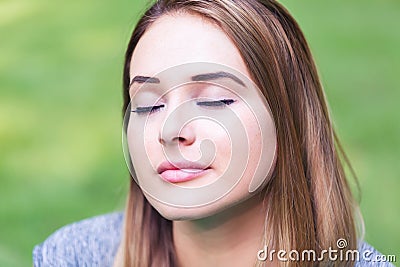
point(230, 238)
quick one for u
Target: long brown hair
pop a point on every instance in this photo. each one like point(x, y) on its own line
point(310, 205)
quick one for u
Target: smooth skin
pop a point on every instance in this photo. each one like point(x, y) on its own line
point(227, 232)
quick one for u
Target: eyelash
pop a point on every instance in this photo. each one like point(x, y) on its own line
point(216, 103)
point(149, 109)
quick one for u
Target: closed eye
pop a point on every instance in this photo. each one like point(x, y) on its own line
point(148, 109)
point(216, 103)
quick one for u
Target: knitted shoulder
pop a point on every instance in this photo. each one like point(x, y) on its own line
point(370, 257)
point(90, 242)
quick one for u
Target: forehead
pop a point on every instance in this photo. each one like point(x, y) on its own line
point(183, 38)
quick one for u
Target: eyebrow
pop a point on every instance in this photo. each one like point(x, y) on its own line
point(217, 75)
point(144, 79)
point(196, 78)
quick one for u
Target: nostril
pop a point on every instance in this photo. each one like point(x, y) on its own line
point(172, 136)
point(179, 139)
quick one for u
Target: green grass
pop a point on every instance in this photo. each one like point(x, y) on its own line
point(60, 110)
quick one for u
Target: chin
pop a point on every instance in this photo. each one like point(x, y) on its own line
point(184, 214)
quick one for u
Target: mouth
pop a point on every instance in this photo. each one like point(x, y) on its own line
point(181, 171)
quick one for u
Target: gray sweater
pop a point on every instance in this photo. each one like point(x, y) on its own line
point(94, 242)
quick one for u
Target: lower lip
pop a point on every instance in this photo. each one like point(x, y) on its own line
point(181, 175)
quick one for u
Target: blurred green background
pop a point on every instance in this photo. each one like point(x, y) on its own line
point(60, 110)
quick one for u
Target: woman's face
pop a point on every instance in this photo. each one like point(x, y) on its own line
point(200, 134)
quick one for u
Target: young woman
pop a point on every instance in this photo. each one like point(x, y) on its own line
point(233, 158)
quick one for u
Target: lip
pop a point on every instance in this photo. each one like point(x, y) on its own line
point(179, 172)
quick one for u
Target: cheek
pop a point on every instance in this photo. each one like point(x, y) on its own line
point(151, 137)
point(221, 139)
point(255, 147)
point(254, 139)
point(143, 143)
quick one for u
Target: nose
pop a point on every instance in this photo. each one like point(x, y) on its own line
point(175, 133)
